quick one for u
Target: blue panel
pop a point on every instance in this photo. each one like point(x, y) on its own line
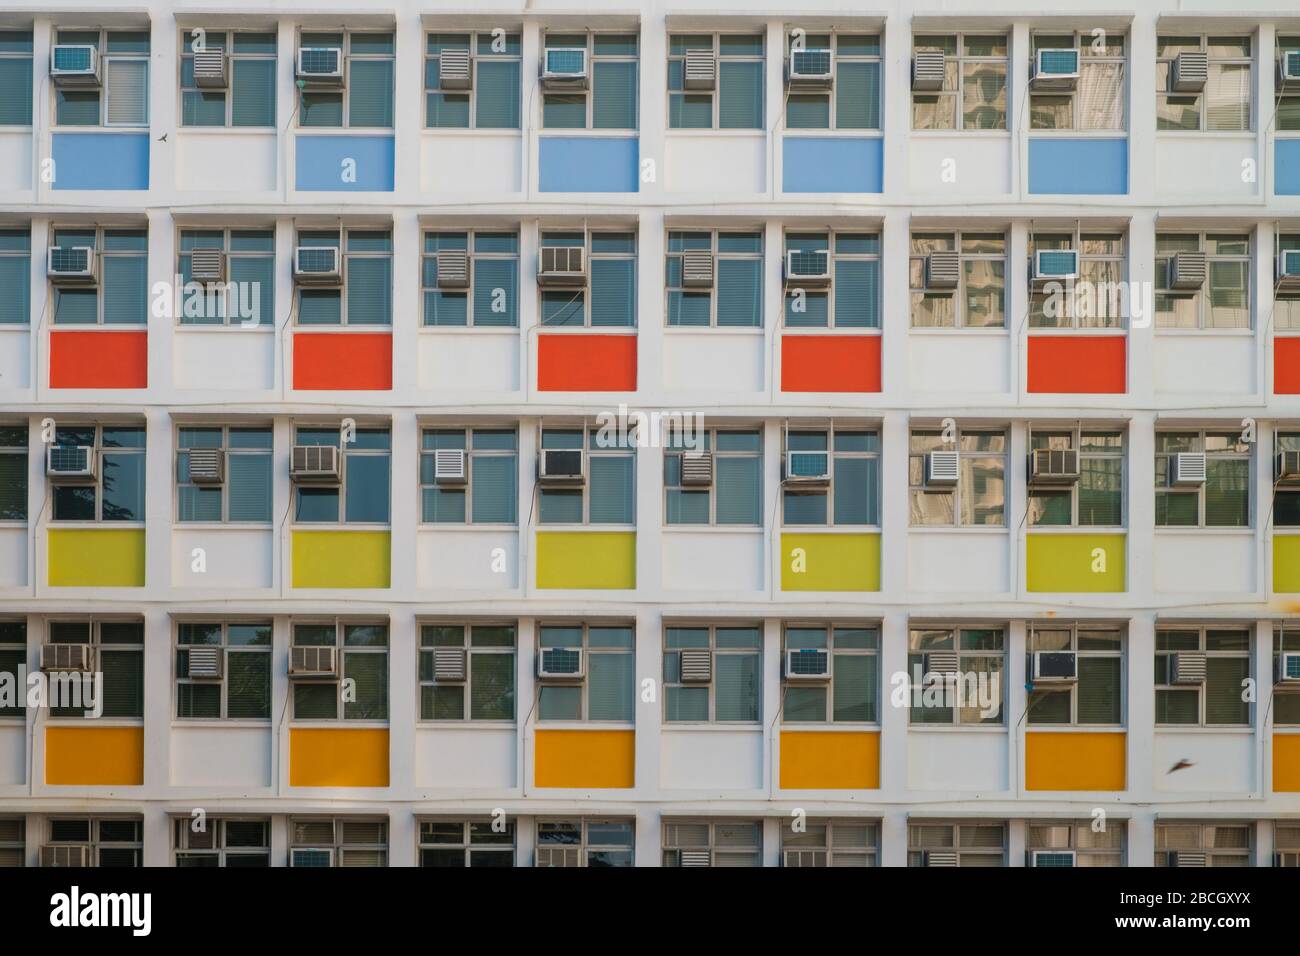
point(589, 164)
point(833, 164)
point(1286, 167)
point(101, 160)
point(323, 163)
point(1078, 166)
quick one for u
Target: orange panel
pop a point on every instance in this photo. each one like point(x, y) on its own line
point(1286, 763)
point(1286, 365)
point(343, 360)
point(94, 756)
point(1078, 363)
point(99, 359)
point(830, 363)
point(586, 362)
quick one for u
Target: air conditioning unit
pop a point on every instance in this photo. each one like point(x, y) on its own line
point(697, 469)
point(807, 468)
point(74, 64)
point(944, 858)
point(449, 467)
point(453, 269)
point(943, 663)
point(206, 663)
point(564, 266)
point(1288, 270)
point(928, 70)
point(1055, 667)
point(313, 663)
point(803, 858)
point(697, 665)
point(561, 663)
point(455, 71)
point(1189, 468)
point(1187, 667)
point(315, 465)
point(71, 265)
point(1189, 72)
point(449, 665)
point(942, 270)
point(941, 469)
point(564, 68)
point(1186, 858)
point(700, 70)
point(1288, 467)
point(1287, 669)
point(1288, 71)
point(1187, 271)
point(563, 467)
point(210, 69)
point(1054, 265)
point(317, 265)
point(568, 856)
point(810, 70)
point(207, 466)
point(694, 858)
point(70, 658)
point(65, 855)
point(71, 464)
point(1052, 858)
point(207, 265)
point(1054, 70)
point(321, 66)
point(808, 664)
point(811, 268)
point(697, 270)
point(1053, 466)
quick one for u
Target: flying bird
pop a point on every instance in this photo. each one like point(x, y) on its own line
point(1181, 765)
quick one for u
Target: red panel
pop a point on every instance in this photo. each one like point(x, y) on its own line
point(586, 362)
point(343, 360)
point(99, 359)
point(1078, 363)
point(830, 363)
point(1286, 365)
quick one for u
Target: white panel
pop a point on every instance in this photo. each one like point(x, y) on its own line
point(957, 759)
point(229, 359)
point(479, 361)
point(1206, 561)
point(1205, 364)
point(1200, 165)
point(942, 561)
point(220, 756)
point(15, 160)
point(713, 361)
point(712, 759)
point(15, 359)
point(453, 758)
point(13, 557)
point(716, 162)
point(463, 558)
point(236, 558)
point(1221, 762)
point(960, 164)
point(959, 361)
point(468, 163)
point(225, 161)
point(717, 561)
point(13, 755)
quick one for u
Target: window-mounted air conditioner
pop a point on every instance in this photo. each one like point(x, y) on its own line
point(562, 467)
point(1055, 667)
point(455, 70)
point(942, 270)
point(940, 663)
point(1054, 70)
point(1053, 466)
point(928, 69)
point(71, 464)
point(561, 663)
point(72, 265)
point(206, 663)
point(74, 64)
point(810, 70)
point(1188, 468)
point(67, 658)
point(808, 268)
point(65, 855)
point(802, 858)
point(320, 66)
point(1187, 667)
point(1189, 72)
point(1287, 467)
point(943, 858)
point(563, 856)
point(697, 665)
point(315, 464)
point(1054, 265)
point(207, 466)
point(1288, 270)
point(210, 69)
point(449, 665)
point(207, 265)
point(1052, 858)
point(807, 664)
point(453, 269)
point(941, 469)
point(1187, 858)
point(697, 469)
point(450, 466)
point(1287, 669)
point(697, 269)
point(811, 468)
point(1288, 71)
point(699, 70)
point(563, 266)
point(564, 68)
point(317, 265)
point(1187, 271)
point(313, 663)
point(694, 858)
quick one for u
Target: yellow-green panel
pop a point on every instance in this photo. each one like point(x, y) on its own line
point(341, 559)
point(1075, 562)
point(586, 559)
point(1286, 563)
point(830, 562)
point(96, 557)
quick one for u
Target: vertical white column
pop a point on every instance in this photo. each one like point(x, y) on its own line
point(159, 468)
point(161, 271)
point(1017, 517)
point(652, 116)
point(648, 713)
point(287, 111)
point(403, 713)
point(773, 257)
point(772, 438)
point(771, 704)
point(529, 308)
point(408, 110)
point(1262, 665)
point(895, 296)
point(1140, 68)
point(1017, 305)
point(404, 507)
point(1265, 98)
point(1018, 127)
point(286, 238)
point(282, 503)
point(531, 112)
point(407, 307)
point(157, 700)
point(281, 705)
point(896, 122)
point(526, 706)
point(1140, 721)
point(1017, 703)
point(529, 505)
point(774, 107)
point(41, 313)
point(164, 93)
point(650, 297)
point(893, 719)
point(1142, 340)
point(1265, 319)
point(42, 117)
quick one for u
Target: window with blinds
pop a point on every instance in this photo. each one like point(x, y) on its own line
point(853, 299)
point(970, 843)
point(736, 100)
point(980, 495)
point(367, 100)
point(1096, 299)
point(118, 493)
point(735, 496)
point(121, 297)
point(712, 843)
point(15, 82)
point(1223, 500)
point(734, 296)
point(1096, 698)
point(490, 299)
point(13, 658)
point(1091, 846)
point(852, 496)
point(249, 97)
point(830, 842)
point(492, 100)
point(609, 300)
point(363, 494)
point(123, 99)
point(934, 698)
point(1223, 103)
point(978, 300)
point(610, 102)
point(607, 693)
point(1222, 844)
point(1223, 301)
point(1097, 498)
point(734, 694)
point(245, 494)
point(490, 494)
point(113, 841)
point(1287, 114)
point(243, 692)
point(366, 295)
point(119, 656)
point(223, 842)
point(338, 841)
point(488, 691)
point(13, 842)
point(362, 649)
point(853, 693)
point(974, 93)
point(1097, 102)
point(586, 841)
point(15, 273)
point(467, 843)
point(608, 496)
point(854, 100)
point(247, 295)
point(1218, 700)
point(1286, 704)
point(13, 472)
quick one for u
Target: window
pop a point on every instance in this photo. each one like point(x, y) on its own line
point(852, 496)
point(338, 841)
point(118, 649)
point(1286, 302)
point(13, 662)
point(585, 842)
point(610, 297)
point(492, 101)
point(611, 101)
point(853, 299)
point(363, 652)
point(249, 96)
point(1222, 844)
point(1095, 300)
point(244, 690)
point(716, 842)
point(16, 77)
point(609, 495)
point(1286, 700)
point(121, 296)
point(1091, 847)
point(468, 843)
point(1286, 844)
point(247, 297)
point(1218, 701)
point(366, 295)
point(1097, 498)
point(488, 690)
point(13, 842)
point(854, 101)
point(118, 494)
point(830, 843)
point(123, 97)
point(735, 297)
point(974, 94)
point(1288, 103)
point(608, 691)
point(975, 697)
point(245, 493)
point(367, 100)
point(15, 264)
point(1224, 300)
point(1222, 500)
point(979, 298)
point(1225, 102)
point(492, 298)
point(853, 693)
point(734, 691)
point(13, 472)
point(364, 489)
point(738, 81)
point(1098, 100)
point(736, 495)
point(114, 842)
point(491, 494)
point(956, 844)
point(223, 842)
point(979, 496)
point(1097, 697)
